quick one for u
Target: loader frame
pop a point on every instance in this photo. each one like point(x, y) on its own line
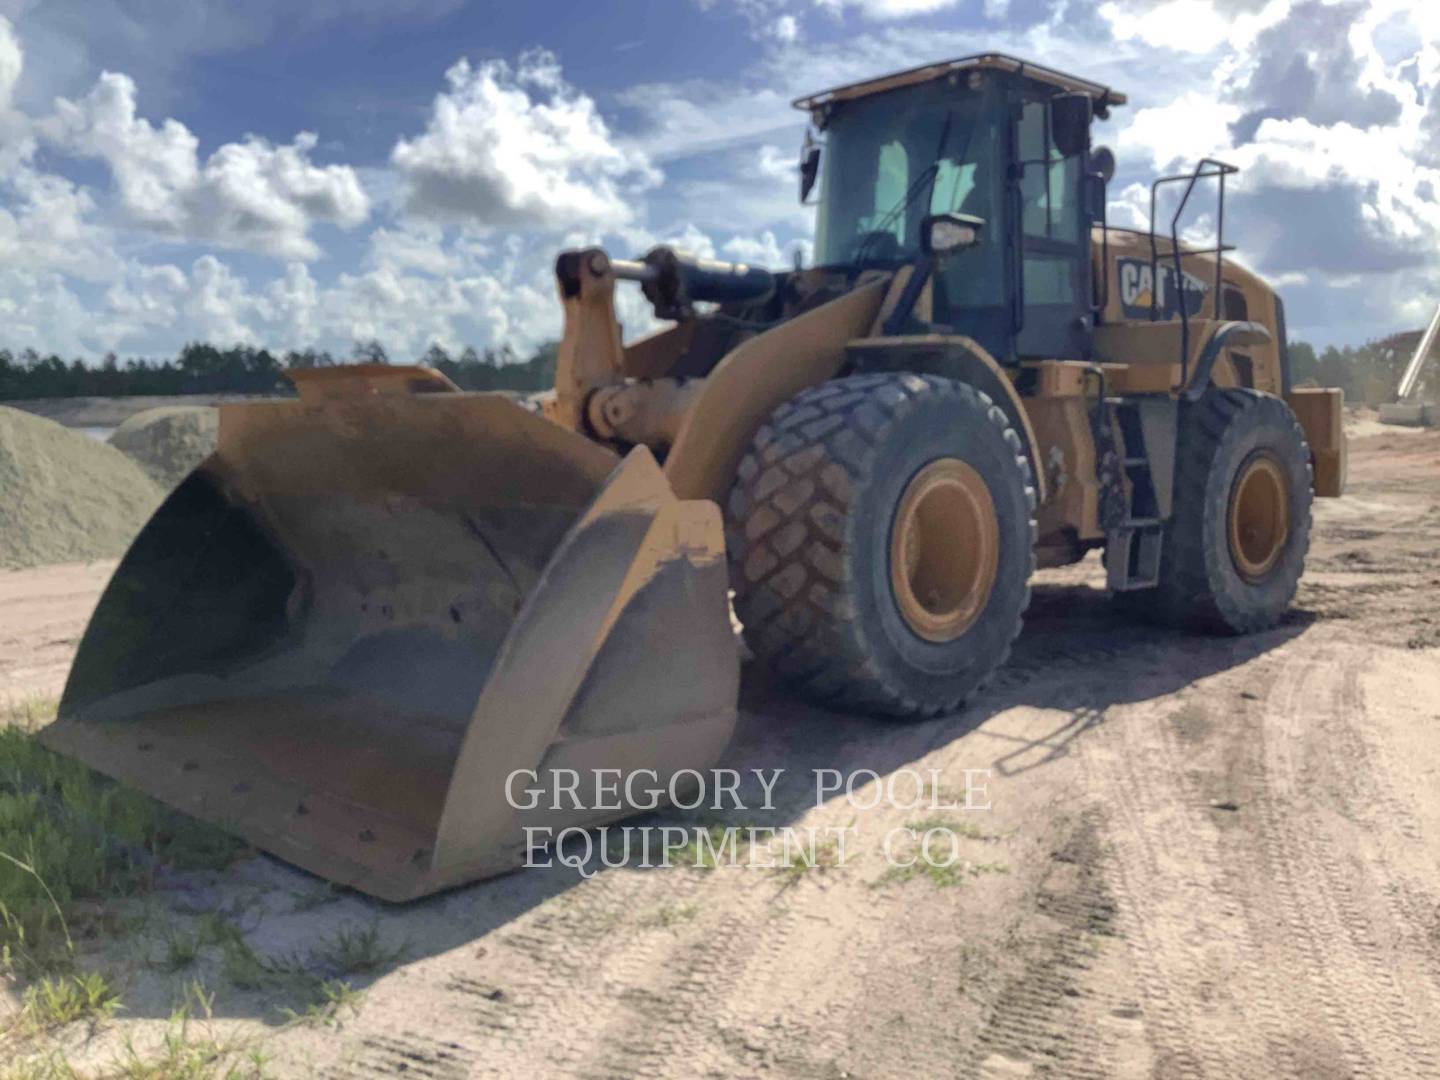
point(372, 606)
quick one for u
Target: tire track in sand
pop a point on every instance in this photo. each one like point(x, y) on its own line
point(1384, 1035)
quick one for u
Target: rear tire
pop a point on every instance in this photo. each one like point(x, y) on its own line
point(1235, 546)
point(881, 538)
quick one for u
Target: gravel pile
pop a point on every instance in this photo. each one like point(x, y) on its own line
point(169, 441)
point(65, 497)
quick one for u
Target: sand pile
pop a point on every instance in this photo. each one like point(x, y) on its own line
point(169, 441)
point(65, 497)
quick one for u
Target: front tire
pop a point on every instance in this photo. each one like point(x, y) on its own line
point(1235, 546)
point(881, 537)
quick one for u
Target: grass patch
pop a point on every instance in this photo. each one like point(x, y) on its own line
point(669, 915)
point(68, 834)
point(943, 867)
point(940, 875)
point(812, 858)
point(709, 847)
point(332, 997)
point(53, 1002)
point(180, 950)
point(241, 965)
point(182, 1058)
point(354, 951)
point(966, 829)
point(187, 1052)
point(49, 1067)
point(307, 986)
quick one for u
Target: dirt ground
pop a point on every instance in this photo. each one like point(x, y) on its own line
point(1203, 858)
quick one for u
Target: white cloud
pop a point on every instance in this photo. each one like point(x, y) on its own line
point(684, 118)
point(1336, 201)
point(764, 250)
point(782, 21)
point(39, 311)
point(1183, 130)
point(416, 245)
point(68, 40)
point(1185, 25)
point(772, 163)
point(219, 302)
point(479, 300)
point(12, 62)
point(143, 300)
point(250, 194)
point(785, 28)
point(756, 190)
point(519, 147)
point(48, 226)
point(887, 9)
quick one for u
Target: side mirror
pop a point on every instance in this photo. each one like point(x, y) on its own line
point(1102, 161)
point(809, 166)
point(1070, 123)
point(945, 234)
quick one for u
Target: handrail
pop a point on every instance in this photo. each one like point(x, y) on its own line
point(1218, 170)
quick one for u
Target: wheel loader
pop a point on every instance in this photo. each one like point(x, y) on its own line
point(351, 628)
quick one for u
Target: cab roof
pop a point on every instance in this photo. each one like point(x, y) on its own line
point(1104, 96)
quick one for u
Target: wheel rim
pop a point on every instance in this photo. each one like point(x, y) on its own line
point(944, 550)
point(1259, 516)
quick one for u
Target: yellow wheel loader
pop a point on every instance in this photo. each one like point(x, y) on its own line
point(351, 630)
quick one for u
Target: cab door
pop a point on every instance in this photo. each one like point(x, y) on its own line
point(1053, 279)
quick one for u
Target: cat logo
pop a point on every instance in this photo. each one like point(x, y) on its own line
point(1139, 296)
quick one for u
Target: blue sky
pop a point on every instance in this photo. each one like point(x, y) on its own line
point(313, 174)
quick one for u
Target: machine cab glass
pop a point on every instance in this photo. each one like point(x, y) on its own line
point(982, 146)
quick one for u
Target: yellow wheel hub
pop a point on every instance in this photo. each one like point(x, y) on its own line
point(944, 550)
point(1259, 518)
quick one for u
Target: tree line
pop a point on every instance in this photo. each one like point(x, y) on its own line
point(1367, 373)
point(204, 369)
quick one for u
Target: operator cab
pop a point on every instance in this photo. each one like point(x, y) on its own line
point(988, 137)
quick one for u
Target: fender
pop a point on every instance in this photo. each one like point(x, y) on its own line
point(757, 377)
point(955, 356)
point(1226, 336)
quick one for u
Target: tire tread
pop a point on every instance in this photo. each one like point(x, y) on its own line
point(792, 591)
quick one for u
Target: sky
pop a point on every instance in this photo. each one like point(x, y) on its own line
point(311, 175)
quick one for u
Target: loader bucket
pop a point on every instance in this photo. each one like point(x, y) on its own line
point(365, 611)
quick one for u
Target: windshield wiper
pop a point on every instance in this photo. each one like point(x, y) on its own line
point(926, 179)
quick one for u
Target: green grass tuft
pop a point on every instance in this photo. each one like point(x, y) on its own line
point(53, 1002)
point(181, 950)
point(957, 873)
point(184, 1054)
point(241, 965)
point(354, 951)
point(966, 829)
point(307, 986)
point(52, 1066)
point(331, 998)
point(711, 847)
point(68, 834)
point(669, 915)
point(814, 858)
